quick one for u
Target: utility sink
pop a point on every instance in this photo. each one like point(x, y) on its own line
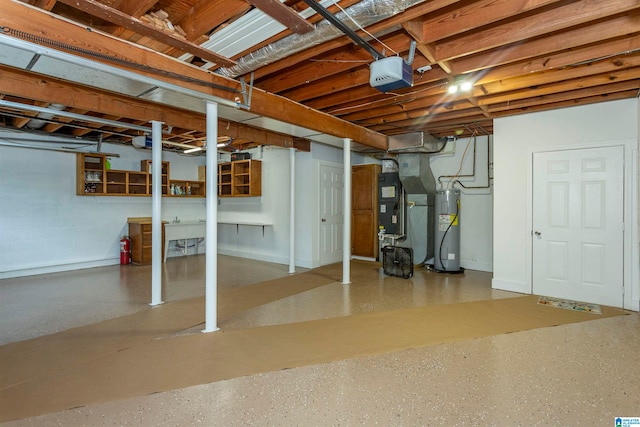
point(191, 229)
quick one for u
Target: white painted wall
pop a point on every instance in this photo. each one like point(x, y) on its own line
point(308, 198)
point(46, 227)
point(272, 207)
point(514, 138)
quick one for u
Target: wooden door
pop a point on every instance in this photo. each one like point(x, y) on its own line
point(364, 210)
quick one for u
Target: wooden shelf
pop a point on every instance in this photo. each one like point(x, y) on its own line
point(224, 180)
point(137, 183)
point(94, 179)
point(90, 175)
point(181, 188)
point(147, 167)
point(242, 178)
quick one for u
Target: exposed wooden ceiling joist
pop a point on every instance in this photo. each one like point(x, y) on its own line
point(33, 21)
point(48, 90)
point(283, 14)
point(521, 55)
point(114, 16)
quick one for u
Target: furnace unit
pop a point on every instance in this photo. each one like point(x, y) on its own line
point(390, 204)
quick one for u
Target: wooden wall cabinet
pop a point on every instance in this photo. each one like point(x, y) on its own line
point(146, 166)
point(90, 175)
point(241, 178)
point(94, 179)
point(364, 210)
point(181, 188)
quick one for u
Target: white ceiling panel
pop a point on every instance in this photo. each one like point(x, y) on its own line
point(14, 57)
point(235, 114)
point(89, 76)
point(179, 100)
point(278, 126)
point(250, 29)
point(293, 130)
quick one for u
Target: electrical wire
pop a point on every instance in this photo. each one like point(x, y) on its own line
point(464, 154)
point(454, 178)
point(444, 236)
point(363, 30)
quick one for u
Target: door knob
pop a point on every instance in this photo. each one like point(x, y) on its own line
point(537, 233)
point(324, 220)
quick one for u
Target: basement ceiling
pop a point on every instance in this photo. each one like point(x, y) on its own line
point(285, 76)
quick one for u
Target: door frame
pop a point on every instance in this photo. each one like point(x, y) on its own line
point(631, 264)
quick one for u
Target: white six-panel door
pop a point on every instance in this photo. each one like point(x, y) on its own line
point(578, 224)
point(331, 213)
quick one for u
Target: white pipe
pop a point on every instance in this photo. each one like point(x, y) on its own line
point(70, 115)
point(156, 213)
point(292, 210)
point(346, 233)
point(211, 230)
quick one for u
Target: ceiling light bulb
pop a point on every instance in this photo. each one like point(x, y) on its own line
point(465, 86)
point(192, 150)
point(453, 88)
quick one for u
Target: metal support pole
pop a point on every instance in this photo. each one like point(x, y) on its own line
point(346, 234)
point(211, 231)
point(156, 213)
point(292, 211)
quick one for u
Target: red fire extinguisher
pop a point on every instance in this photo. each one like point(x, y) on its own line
point(125, 250)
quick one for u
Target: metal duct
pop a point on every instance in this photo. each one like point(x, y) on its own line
point(420, 187)
point(415, 173)
point(37, 124)
point(366, 13)
point(422, 142)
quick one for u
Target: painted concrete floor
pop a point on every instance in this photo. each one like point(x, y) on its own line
point(578, 374)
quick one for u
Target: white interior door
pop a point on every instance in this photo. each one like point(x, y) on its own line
point(578, 224)
point(331, 213)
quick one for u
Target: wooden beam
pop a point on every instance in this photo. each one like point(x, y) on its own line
point(209, 14)
point(557, 19)
point(34, 21)
point(568, 103)
point(114, 16)
point(49, 90)
point(284, 15)
point(45, 4)
point(397, 20)
point(626, 88)
point(326, 66)
point(467, 17)
point(615, 27)
point(616, 68)
point(562, 86)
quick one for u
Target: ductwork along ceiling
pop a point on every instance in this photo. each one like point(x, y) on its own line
point(284, 75)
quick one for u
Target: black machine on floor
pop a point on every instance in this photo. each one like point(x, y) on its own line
point(397, 261)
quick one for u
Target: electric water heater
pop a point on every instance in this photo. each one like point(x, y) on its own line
point(447, 233)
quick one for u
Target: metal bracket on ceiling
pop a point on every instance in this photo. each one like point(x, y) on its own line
point(246, 96)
